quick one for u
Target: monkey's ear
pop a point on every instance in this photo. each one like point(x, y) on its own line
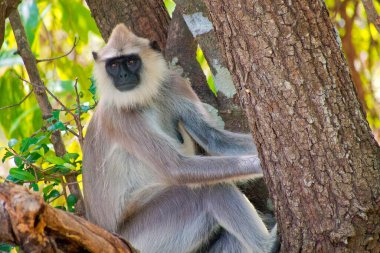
point(95, 55)
point(154, 45)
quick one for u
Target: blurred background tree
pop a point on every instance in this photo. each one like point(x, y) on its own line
point(360, 43)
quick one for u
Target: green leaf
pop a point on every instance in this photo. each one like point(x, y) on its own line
point(69, 166)
point(34, 186)
point(12, 143)
point(18, 161)
point(55, 116)
point(57, 126)
point(84, 108)
point(21, 174)
point(48, 188)
point(25, 143)
point(12, 120)
point(51, 158)
point(53, 194)
point(63, 169)
point(41, 151)
point(61, 207)
point(69, 156)
point(5, 247)
point(45, 147)
point(7, 155)
point(42, 139)
point(33, 157)
point(71, 201)
point(10, 178)
point(92, 88)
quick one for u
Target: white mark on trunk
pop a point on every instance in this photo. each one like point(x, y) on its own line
point(198, 24)
point(223, 80)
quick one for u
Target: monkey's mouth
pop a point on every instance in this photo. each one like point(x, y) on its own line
point(126, 87)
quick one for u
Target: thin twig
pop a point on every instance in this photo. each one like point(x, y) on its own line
point(50, 93)
point(74, 133)
point(77, 119)
point(19, 103)
point(61, 56)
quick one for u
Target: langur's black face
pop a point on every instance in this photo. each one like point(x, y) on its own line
point(124, 71)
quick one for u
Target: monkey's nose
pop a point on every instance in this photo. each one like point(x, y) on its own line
point(123, 75)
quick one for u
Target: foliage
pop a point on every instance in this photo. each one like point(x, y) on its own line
point(28, 157)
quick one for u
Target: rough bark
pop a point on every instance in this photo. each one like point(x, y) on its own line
point(146, 18)
point(42, 99)
point(321, 162)
point(37, 227)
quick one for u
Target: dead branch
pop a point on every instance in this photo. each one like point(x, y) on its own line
point(42, 99)
point(37, 227)
point(78, 115)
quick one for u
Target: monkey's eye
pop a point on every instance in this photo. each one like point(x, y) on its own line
point(131, 62)
point(114, 65)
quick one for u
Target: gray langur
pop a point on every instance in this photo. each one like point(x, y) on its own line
point(142, 176)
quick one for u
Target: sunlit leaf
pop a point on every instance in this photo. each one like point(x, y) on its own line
point(51, 158)
point(25, 143)
point(21, 174)
point(6, 155)
point(69, 156)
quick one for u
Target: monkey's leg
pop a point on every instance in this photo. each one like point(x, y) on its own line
point(228, 243)
point(235, 214)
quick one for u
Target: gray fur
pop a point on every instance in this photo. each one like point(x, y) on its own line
point(141, 183)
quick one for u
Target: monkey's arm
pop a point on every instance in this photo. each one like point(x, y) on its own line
point(215, 141)
point(159, 151)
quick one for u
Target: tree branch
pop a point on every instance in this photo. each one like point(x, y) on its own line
point(42, 99)
point(19, 103)
point(61, 56)
point(372, 14)
point(37, 227)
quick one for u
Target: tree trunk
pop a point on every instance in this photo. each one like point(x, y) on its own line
point(321, 161)
point(147, 18)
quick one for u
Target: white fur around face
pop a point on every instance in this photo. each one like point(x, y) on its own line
point(154, 70)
